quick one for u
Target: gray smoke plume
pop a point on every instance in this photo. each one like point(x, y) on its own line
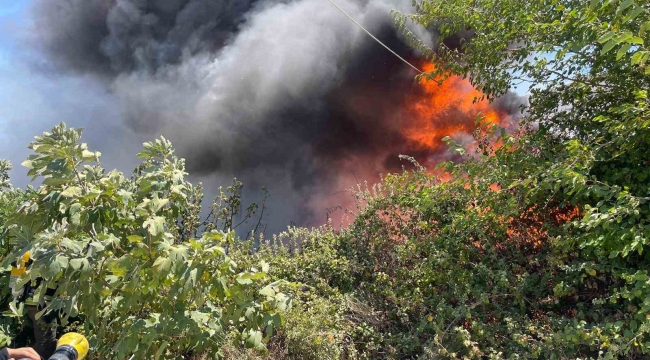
point(277, 93)
point(116, 36)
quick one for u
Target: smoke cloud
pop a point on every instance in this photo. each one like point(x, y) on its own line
point(286, 94)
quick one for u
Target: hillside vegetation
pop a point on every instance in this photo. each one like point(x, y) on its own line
point(536, 247)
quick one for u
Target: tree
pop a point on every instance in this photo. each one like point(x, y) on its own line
point(124, 255)
point(584, 142)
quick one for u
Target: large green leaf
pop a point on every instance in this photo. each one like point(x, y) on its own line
point(254, 339)
point(155, 225)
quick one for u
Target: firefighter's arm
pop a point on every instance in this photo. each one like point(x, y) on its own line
point(21, 353)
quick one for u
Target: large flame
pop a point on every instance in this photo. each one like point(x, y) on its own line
point(429, 112)
point(444, 109)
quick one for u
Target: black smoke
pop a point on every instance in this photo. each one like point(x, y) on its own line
point(115, 36)
point(277, 93)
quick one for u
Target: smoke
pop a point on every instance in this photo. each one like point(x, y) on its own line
point(287, 94)
point(116, 36)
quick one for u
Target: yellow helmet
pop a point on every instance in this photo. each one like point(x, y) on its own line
point(76, 341)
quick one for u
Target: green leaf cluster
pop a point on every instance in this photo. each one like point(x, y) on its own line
point(129, 257)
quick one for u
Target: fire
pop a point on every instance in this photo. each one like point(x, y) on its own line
point(422, 118)
point(438, 110)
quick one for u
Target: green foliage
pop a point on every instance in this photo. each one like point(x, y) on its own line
point(227, 206)
point(584, 142)
point(5, 167)
point(315, 329)
point(10, 200)
point(121, 252)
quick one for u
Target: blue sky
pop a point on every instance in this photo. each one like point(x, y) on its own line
point(32, 101)
point(12, 16)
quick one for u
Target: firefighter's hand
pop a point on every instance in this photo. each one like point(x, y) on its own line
point(23, 353)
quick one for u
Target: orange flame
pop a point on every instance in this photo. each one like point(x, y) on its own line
point(440, 110)
point(429, 112)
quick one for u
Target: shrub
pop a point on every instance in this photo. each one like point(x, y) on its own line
point(123, 253)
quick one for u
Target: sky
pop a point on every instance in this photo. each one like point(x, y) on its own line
point(32, 100)
point(11, 13)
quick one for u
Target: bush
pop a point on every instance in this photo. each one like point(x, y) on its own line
point(430, 269)
point(124, 254)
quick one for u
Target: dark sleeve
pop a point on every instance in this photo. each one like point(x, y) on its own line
point(4, 355)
